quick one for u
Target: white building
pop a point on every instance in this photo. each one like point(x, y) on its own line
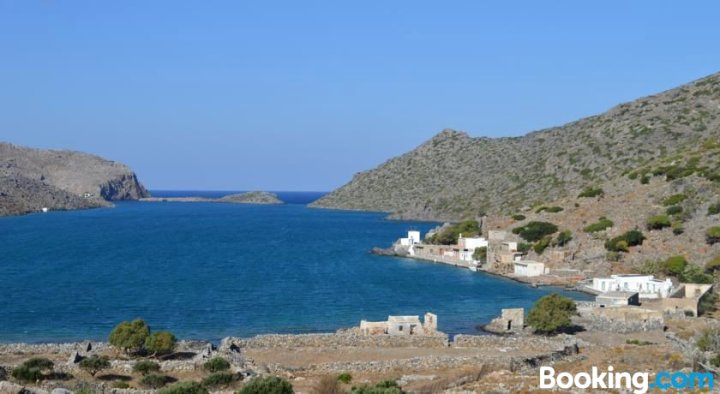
point(646, 285)
point(528, 268)
point(468, 245)
point(413, 237)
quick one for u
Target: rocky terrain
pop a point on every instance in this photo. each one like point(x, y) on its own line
point(240, 198)
point(453, 176)
point(31, 179)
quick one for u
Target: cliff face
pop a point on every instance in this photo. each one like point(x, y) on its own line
point(453, 176)
point(31, 179)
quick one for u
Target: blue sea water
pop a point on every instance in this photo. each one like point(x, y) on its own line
point(206, 270)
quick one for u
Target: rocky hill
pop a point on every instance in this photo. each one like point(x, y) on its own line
point(453, 176)
point(31, 179)
point(651, 165)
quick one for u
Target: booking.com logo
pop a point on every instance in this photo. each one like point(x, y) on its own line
point(639, 382)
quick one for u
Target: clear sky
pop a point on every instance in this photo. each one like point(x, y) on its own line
point(300, 95)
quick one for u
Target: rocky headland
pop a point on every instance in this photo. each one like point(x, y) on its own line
point(33, 179)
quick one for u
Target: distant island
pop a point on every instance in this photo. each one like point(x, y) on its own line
point(255, 197)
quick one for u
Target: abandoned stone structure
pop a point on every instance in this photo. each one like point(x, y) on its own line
point(511, 320)
point(621, 319)
point(401, 325)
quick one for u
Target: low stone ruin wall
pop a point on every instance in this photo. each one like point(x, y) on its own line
point(335, 340)
point(622, 319)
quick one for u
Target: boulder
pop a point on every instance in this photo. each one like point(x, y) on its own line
point(74, 358)
point(61, 391)
point(11, 388)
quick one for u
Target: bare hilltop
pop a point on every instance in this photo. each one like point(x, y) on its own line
point(32, 179)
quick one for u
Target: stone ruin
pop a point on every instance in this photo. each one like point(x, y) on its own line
point(401, 325)
point(511, 320)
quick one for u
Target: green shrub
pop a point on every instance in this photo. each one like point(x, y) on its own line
point(707, 303)
point(154, 381)
point(694, 274)
point(480, 254)
point(678, 228)
point(602, 224)
point(551, 314)
point(120, 385)
point(591, 192)
point(130, 336)
point(26, 374)
point(523, 247)
point(658, 222)
point(713, 265)
point(216, 364)
point(549, 209)
point(384, 387)
point(638, 342)
point(714, 209)
point(185, 388)
point(267, 385)
point(623, 242)
point(94, 364)
point(564, 238)
point(541, 245)
point(161, 342)
point(146, 366)
point(712, 235)
point(219, 379)
point(674, 210)
point(709, 341)
point(39, 363)
point(449, 235)
point(645, 179)
point(345, 378)
point(675, 265)
point(518, 217)
point(535, 231)
point(674, 199)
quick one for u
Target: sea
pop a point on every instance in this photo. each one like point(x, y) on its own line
point(211, 270)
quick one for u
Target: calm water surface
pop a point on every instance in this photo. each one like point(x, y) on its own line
point(205, 270)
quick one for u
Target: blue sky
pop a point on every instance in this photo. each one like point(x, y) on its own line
point(300, 95)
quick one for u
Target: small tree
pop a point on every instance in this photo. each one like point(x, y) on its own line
point(146, 366)
point(216, 364)
point(551, 314)
point(267, 385)
point(535, 231)
point(345, 377)
point(129, 336)
point(94, 364)
point(162, 342)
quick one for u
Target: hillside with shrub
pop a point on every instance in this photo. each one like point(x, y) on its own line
point(638, 183)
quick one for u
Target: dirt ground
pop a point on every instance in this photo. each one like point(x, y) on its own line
point(655, 352)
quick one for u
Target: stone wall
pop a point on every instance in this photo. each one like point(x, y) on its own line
point(335, 340)
point(622, 319)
